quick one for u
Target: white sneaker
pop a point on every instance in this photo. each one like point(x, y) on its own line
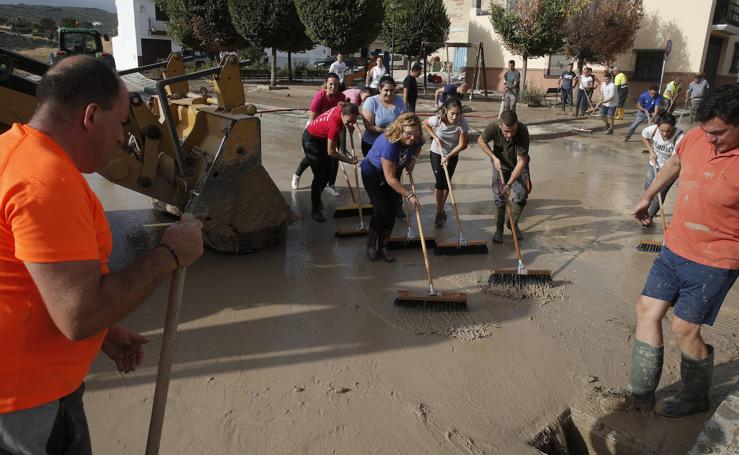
point(332, 191)
point(296, 182)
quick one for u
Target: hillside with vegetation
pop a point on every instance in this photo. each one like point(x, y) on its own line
point(41, 19)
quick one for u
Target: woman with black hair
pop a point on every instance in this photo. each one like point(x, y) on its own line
point(661, 139)
point(321, 148)
point(449, 130)
point(379, 111)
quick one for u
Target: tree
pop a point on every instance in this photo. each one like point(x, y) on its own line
point(341, 26)
point(297, 41)
point(599, 30)
point(412, 23)
point(47, 23)
point(532, 28)
point(68, 22)
point(269, 23)
point(202, 24)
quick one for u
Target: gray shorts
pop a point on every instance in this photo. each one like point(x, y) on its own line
point(519, 194)
point(59, 427)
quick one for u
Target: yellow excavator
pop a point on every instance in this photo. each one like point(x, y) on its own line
point(189, 152)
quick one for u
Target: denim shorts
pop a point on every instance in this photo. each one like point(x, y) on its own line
point(696, 290)
point(607, 111)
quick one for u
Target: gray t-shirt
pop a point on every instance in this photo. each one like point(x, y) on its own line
point(511, 78)
point(698, 90)
point(449, 134)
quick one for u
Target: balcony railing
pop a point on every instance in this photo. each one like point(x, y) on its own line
point(727, 12)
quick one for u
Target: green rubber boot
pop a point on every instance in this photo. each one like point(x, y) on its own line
point(646, 369)
point(499, 222)
point(693, 398)
point(515, 215)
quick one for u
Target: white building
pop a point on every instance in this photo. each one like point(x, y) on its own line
point(142, 34)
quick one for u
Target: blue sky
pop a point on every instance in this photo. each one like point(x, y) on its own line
point(108, 5)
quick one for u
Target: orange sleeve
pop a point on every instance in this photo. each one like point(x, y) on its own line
point(53, 220)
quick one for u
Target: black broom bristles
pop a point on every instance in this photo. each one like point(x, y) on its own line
point(351, 211)
point(350, 232)
point(438, 303)
point(649, 246)
point(399, 243)
point(511, 278)
point(450, 249)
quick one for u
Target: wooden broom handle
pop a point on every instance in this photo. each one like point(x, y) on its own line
point(510, 219)
point(420, 234)
point(451, 195)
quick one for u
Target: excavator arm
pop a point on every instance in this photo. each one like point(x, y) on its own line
point(190, 153)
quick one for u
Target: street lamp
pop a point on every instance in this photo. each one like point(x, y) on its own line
point(393, 7)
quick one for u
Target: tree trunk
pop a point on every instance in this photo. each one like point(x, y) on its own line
point(289, 66)
point(523, 76)
point(273, 69)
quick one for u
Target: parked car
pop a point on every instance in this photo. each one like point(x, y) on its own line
point(326, 63)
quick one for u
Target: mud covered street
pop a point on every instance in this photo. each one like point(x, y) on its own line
point(299, 349)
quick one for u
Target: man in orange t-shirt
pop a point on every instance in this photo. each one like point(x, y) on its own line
point(59, 303)
point(698, 263)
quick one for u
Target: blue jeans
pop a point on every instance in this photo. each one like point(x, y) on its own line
point(567, 97)
point(640, 117)
point(697, 291)
point(583, 98)
point(654, 206)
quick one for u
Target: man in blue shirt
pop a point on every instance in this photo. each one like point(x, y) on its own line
point(450, 90)
point(646, 109)
point(565, 85)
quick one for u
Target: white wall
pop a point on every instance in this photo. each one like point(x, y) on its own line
point(309, 58)
point(135, 20)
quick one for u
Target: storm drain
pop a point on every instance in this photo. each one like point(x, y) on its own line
point(577, 433)
point(560, 437)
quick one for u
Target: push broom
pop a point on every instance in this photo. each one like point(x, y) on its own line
point(410, 239)
point(356, 209)
point(581, 130)
point(520, 276)
point(433, 298)
point(462, 245)
point(362, 229)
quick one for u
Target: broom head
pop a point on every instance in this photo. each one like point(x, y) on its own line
point(439, 301)
point(403, 242)
point(352, 210)
point(351, 231)
point(468, 247)
point(512, 278)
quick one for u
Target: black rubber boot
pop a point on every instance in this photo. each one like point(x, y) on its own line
point(693, 398)
point(383, 251)
point(646, 369)
point(372, 251)
point(499, 223)
point(515, 215)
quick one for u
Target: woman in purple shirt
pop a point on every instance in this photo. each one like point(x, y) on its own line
point(394, 150)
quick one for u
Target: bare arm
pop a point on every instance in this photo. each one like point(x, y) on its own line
point(405, 96)
point(368, 118)
point(334, 153)
point(520, 165)
point(311, 116)
point(648, 145)
point(669, 172)
point(489, 152)
point(82, 302)
point(437, 95)
point(461, 145)
point(389, 168)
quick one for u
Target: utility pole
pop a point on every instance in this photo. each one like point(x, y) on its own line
point(393, 7)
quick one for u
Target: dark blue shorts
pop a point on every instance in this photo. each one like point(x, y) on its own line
point(696, 290)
